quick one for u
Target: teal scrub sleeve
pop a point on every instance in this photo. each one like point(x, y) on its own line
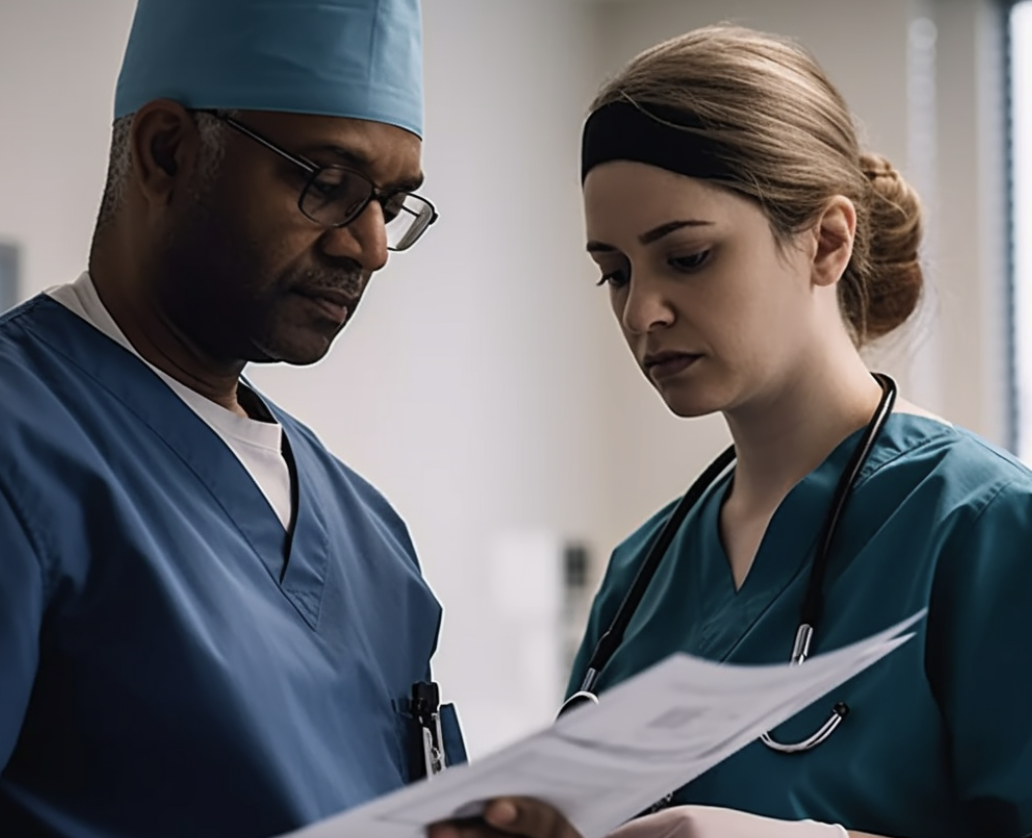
point(980, 662)
point(21, 614)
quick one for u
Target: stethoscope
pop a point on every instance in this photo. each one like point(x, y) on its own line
point(811, 611)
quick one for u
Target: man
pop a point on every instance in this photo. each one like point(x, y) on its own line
point(209, 626)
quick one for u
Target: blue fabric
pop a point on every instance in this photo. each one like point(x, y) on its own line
point(171, 662)
point(938, 743)
point(350, 58)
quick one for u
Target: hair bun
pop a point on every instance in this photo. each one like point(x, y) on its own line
point(895, 278)
point(874, 166)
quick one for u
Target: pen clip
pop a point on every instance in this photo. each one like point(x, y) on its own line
point(426, 699)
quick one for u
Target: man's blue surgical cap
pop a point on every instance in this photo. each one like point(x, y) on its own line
point(353, 58)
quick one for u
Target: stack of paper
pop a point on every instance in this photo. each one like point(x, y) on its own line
point(602, 764)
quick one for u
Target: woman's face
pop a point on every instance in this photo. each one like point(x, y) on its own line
point(716, 313)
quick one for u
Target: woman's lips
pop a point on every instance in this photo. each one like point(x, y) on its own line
point(667, 364)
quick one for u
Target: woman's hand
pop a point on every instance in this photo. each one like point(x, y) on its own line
point(711, 822)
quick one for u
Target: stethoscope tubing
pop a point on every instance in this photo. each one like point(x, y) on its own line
point(810, 612)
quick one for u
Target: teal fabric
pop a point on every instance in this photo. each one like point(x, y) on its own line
point(938, 743)
point(351, 58)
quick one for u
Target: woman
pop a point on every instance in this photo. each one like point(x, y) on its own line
point(750, 250)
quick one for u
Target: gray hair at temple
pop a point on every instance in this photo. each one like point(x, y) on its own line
point(213, 134)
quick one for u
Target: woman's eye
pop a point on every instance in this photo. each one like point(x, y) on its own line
point(690, 263)
point(615, 279)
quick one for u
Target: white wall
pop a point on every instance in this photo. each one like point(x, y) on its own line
point(971, 210)
point(58, 64)
point(483, 385)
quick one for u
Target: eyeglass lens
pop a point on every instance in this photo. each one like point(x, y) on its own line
point(336, 197)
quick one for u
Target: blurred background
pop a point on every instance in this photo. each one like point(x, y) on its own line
point(483, 385)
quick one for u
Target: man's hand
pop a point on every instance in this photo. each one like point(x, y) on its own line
point(510, 816)
point(710, 822)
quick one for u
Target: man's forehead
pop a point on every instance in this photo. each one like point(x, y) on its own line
point(385, 152)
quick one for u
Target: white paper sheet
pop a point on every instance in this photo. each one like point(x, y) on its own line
point(602, 764)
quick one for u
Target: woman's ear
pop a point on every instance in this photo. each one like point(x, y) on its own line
point(834, 231)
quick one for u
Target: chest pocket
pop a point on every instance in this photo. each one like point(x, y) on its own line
point(454, 744)
point(410, 738)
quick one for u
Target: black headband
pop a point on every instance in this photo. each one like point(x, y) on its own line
point(659, 136)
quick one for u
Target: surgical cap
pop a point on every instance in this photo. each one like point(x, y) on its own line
point(351, 58)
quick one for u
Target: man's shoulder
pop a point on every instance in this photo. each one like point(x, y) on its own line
point(16, 323)
point(28, 362)
point(339, 478)
point(299, 432)
point(35, 334)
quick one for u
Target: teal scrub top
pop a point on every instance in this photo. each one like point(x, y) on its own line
point(938, 742)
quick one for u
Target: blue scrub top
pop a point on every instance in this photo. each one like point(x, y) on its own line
point(172, 661)
point(938, 743)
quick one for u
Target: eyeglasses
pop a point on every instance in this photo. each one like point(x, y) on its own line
point(336, 195)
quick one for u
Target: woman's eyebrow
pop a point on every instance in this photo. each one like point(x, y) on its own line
point(652, 236)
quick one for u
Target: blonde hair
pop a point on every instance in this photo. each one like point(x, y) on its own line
point(787, 137)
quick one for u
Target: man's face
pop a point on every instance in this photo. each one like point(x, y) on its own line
point(243, 272)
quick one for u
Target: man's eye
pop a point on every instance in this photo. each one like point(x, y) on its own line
point(327, 187)
point(393, 205)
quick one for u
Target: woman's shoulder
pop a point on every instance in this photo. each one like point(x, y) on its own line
point(628, 554)
point(626, 557)
point(947, 459)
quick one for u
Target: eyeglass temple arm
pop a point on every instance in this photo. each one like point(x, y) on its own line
point(307, 165)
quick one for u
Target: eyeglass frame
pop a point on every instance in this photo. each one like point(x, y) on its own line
point(314, 170)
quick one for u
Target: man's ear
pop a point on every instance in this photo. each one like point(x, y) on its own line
point(165, 144)
point(834, 233)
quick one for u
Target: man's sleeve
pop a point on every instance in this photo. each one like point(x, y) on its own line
point(21, 613)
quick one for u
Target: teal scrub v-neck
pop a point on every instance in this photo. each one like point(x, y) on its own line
point(938, 743)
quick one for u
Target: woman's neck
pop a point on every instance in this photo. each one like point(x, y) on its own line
point(781, 439)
